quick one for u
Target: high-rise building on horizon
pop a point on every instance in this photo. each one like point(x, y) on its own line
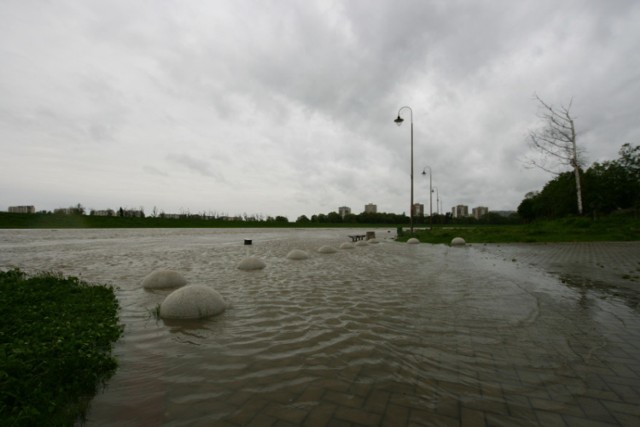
point(479, 211)
point(344, 211)
point(460, 211)
point(22, 209)
point(370, 208)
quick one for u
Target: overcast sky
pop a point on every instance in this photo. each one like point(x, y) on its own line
point(287, 107)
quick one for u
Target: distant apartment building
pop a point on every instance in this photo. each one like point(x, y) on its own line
point(344, 211)
point(460, 211)
point(170, 215)
point(418, 209)
point(65, 211)
point(104, 212)
point(134, 213)
point(22, 209)
point(370, 208)
point(479, 211)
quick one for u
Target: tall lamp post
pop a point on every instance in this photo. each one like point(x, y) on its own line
point(437, 201)
point(399, 121)
point(424, 172)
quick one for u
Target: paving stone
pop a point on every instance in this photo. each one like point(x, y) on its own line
point(262, 420)
point(550, 419)
point(418, 417)
point(595, 410)
point(622, 408)
point(471, 418)
point(357, 416)
point(248, 411)
point(395, 415)
point(360, 389)
point(449, 407)
point(320, 415)
point(627, 420)
point(377, 401)
point(285, 412)
point(495, 406)
point(586, 422)
point(344, 399)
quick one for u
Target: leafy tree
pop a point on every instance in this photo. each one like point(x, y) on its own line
point(334, 217)
point(302, 219)
point(609, 186)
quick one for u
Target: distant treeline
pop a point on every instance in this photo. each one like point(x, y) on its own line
point(608, 187)
point(403, 219)
point(51, 220)
point(333, 219)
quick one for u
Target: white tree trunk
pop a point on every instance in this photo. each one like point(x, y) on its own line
point(576, 164)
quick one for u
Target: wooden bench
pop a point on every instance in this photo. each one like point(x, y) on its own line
point(356, 237)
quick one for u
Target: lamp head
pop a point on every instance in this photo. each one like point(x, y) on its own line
point(399, 120)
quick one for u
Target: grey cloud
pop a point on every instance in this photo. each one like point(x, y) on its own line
point(193, 164)
point(295, 100)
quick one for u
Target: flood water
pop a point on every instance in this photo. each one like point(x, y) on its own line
point(385, 334)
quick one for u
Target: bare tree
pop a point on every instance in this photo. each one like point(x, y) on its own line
point(555, 143)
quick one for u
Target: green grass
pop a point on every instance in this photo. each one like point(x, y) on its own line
point(572, 229)
point(56, 335)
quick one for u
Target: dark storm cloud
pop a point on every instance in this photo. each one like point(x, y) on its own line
point(287, 106)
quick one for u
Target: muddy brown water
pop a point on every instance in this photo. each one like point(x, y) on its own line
point(386, 334)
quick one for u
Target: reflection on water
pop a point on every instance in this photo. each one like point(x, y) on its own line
point(387, 333)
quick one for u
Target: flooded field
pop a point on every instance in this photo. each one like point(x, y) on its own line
point(385, 334)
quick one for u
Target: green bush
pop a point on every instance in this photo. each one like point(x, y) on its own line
point(56, 335)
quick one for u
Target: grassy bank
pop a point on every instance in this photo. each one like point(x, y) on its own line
point(574, 229)
point(55, 343)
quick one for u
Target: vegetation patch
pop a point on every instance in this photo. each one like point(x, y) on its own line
point(613, 228)
point(56, 335)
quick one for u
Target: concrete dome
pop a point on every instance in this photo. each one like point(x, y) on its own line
point(374, 240)
point(251, 263)
point(192, 302)
point(297, 254)
point(361, 243)
point(413, 241)
point(347, 245)
point(327, 250)
point(163, 279)
point(458, 241)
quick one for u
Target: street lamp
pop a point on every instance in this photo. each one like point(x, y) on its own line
point(437, 201)
point(424, 172)
point(399, 121)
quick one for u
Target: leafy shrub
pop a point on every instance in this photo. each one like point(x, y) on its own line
point(55, 343)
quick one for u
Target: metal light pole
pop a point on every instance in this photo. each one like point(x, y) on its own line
point(437, 201)
point(399, 121)
point(424, 172)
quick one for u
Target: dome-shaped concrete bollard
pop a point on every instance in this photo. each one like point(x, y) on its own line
point(327, 250)
point(362, 243)
point(413, 241)
point(163, 279)
point(192, 302)
point(347, 245)
point(458, 241)
point(297, 254)
point(374, 241)
point(251, 263)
